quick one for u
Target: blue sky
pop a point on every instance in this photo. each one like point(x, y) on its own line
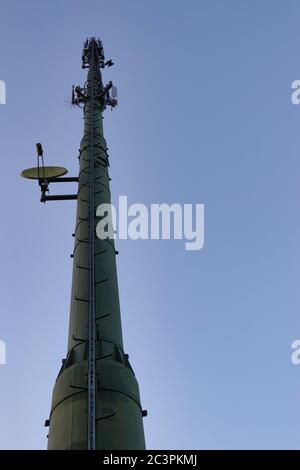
point(205, 116)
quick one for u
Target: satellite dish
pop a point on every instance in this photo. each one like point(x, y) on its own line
point(45, 172)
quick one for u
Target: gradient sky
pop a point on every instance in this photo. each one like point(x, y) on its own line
point(205, 116)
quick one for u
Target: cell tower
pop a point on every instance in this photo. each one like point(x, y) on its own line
point(96, 402)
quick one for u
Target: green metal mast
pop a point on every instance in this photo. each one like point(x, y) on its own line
point(96, 402)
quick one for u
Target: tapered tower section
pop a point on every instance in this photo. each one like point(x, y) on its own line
point(96, 402)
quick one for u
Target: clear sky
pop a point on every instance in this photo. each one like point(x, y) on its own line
point(205, 116)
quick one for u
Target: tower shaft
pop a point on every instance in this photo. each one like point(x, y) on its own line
point(96, 403)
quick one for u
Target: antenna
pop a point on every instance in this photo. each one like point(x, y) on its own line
point(49, 172)
point(96, 403)
point(114, 91)
point(46, 175)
